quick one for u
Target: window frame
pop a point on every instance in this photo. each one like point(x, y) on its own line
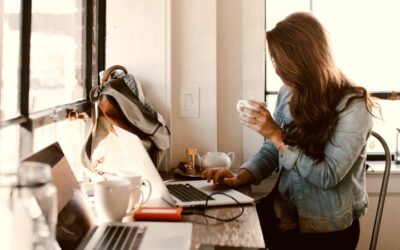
point(94, 61)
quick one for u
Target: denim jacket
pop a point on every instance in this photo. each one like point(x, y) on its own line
point(330, 194)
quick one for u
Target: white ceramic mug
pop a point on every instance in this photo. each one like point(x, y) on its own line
point(246, 104)
point(136, 179)
point(112, 199)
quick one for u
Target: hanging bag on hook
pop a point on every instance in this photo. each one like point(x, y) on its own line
point(119, 101)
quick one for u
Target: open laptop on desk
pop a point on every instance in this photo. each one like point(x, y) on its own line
point(76, 228)
point(168, 191)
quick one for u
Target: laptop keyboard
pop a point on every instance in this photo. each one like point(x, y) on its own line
point(186, 192)
point(121, 237)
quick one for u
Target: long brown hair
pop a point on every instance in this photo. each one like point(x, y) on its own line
point(300, 51)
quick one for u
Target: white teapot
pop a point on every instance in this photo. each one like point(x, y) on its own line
point(216, 159)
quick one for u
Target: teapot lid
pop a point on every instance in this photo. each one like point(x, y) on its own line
point(215, 153)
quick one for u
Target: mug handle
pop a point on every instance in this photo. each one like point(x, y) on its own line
point(131, 208)
point(148, 183)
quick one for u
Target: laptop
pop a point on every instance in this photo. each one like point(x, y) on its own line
point(76, 227)
point(175, 193)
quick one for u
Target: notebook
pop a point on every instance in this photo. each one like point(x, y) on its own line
point(141, 162)
point(76, 227)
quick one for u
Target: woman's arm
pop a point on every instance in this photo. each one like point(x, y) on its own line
point(266, 160)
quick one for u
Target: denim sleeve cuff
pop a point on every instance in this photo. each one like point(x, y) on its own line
point(253, 170)
point(289, 158)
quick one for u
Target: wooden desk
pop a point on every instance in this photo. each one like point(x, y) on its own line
point(244, 231)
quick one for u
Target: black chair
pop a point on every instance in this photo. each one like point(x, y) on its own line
point(382, 194)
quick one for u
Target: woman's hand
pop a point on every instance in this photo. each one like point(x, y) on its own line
point(262, 122)
point(222, 175)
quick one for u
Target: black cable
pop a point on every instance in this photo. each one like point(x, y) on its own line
point(192, 212)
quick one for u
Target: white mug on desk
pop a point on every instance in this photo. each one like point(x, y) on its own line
point(136, 179)
point(112, 199)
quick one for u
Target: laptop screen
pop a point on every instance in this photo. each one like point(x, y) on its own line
point(74, 215)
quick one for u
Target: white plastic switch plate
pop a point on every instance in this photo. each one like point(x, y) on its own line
point(190, 101)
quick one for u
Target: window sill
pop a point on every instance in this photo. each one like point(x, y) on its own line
point(377, 167)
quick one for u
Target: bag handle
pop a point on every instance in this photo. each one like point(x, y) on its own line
point(111, 69)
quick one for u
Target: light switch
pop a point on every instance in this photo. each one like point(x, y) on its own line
point(190, 101)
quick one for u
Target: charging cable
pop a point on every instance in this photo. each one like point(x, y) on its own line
point(196, 212)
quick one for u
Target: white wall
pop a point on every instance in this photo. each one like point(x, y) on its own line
point(216, 46)
point(194, 63)
point(136, 39)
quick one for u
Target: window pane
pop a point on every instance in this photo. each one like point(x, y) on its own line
point(70, 135)
point(366, 52)
point(276, 10)
point(10, 11)
point(271, 102)
point(386, 126)
point(57, 51)
point(367, 47)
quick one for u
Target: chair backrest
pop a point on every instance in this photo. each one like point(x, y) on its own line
point(382, 194)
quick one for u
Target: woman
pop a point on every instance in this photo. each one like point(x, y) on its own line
point(317, 138)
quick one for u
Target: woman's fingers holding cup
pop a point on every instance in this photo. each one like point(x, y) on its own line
point(249, 104)
point(258, 106)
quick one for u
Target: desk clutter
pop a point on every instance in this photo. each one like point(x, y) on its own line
point(158, 214)
point(197, 163)
point(119, 101)
point(79, 226)
point(111, 206)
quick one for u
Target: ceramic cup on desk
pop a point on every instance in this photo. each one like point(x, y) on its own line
point(136, 179)
point(113, 199)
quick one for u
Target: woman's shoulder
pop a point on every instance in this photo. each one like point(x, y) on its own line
point(284, 93)
point(348, 104)
point(355, 115)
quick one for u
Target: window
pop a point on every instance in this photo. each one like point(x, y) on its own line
point(364, 36)
point(50, 53)
point(57, 52)
point(10, 23)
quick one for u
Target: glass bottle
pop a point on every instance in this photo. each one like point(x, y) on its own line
point(39, 195)
point(191, 155)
